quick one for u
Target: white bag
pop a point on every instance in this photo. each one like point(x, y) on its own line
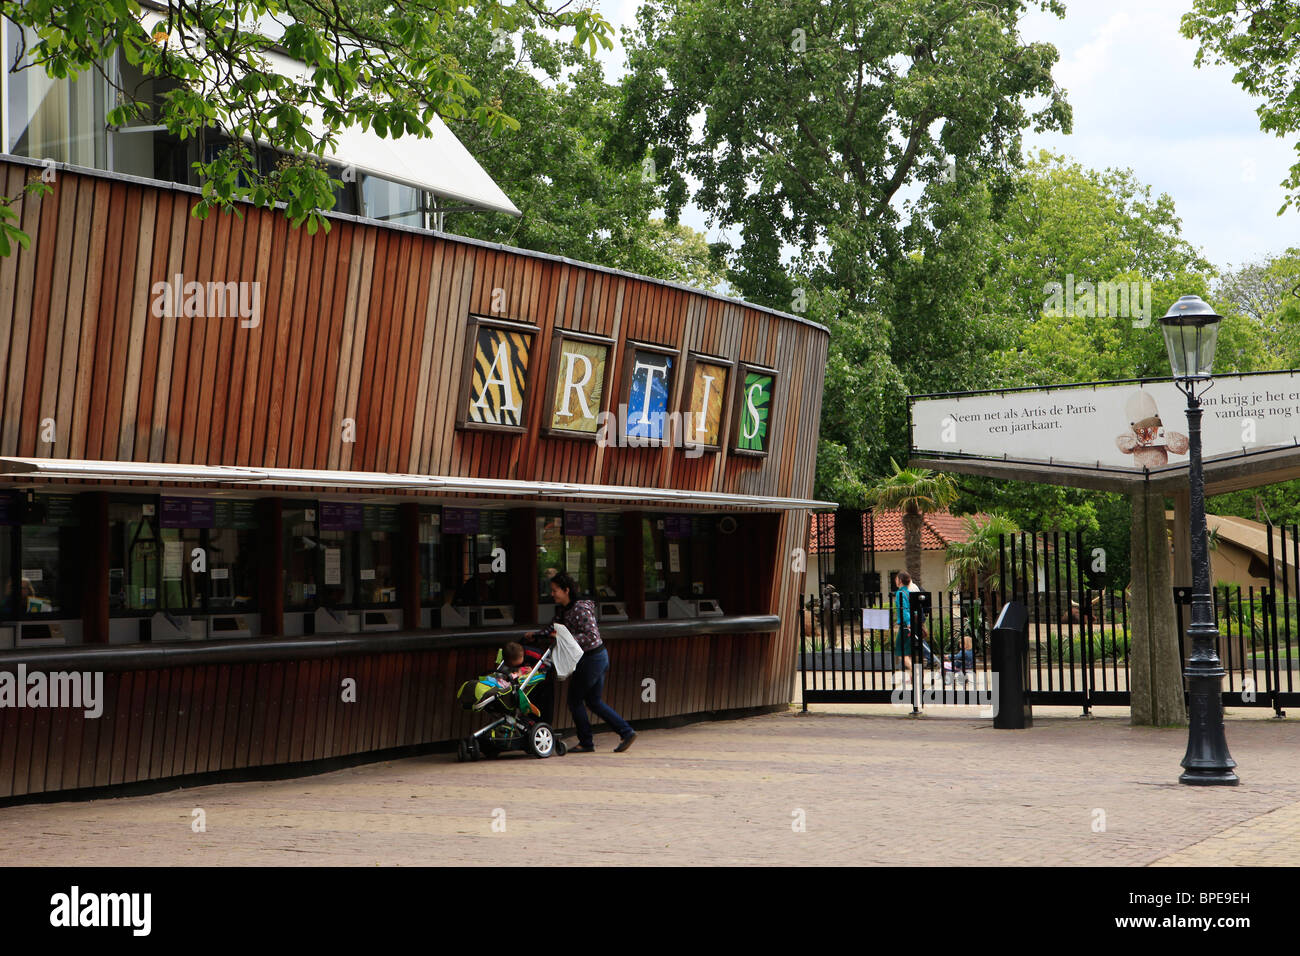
point(567, 652)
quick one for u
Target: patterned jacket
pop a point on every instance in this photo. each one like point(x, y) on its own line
point(580, 618)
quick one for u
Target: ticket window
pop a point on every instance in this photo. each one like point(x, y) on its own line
point(679, 555)
point(304, 563)
point(550, 558)
point(232, 568)
point(429, 529)
point(43, 570)
point(9, 604)
point(586, 546)
point(43, 580)
point(181, 591)
point(654, 560)
point(336, 568)
point(377, 551)
point(475, 572)
point(135, 556)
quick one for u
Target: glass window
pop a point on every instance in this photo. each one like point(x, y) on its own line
point(9, 605)
point(56, 119)
point(49, 556)
point(550, 552)
point(135, 556)
point(430, 531)
point(182, 586)
point(336, 568)
point(653, 557)
point(232, 567)
point(303, 551)
point(475, 548)
point(607, 558)
point(377, 556)
point(577, 553)
point(42, 573)
point(391, 202)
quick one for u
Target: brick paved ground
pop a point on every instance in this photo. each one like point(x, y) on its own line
point(872, 788)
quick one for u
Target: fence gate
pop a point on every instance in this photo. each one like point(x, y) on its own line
point(1078, 634)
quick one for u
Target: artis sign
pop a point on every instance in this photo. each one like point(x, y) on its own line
point(651, 398)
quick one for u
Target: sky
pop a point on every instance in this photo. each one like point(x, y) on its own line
point(1141, 103)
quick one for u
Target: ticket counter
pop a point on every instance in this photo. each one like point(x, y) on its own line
point(374, 482)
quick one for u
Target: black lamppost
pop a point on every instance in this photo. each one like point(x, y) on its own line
point(1191, 329)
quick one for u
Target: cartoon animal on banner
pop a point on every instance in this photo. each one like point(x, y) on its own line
point(1146, 439)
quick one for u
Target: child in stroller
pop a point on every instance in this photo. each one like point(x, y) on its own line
point(504, 695)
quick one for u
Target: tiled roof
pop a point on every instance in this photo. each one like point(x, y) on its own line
point(937, 531)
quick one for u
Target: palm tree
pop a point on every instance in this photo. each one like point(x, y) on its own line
point(916, 492)
point(975, 561)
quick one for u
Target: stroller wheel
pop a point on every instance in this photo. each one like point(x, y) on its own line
point(560, 748)
point(462, 752)
point(541, 740)
point(474, 752)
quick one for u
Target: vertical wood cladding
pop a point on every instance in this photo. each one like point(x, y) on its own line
point(365, 323)
point(176, 721)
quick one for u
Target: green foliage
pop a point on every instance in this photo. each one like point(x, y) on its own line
point(913, 490)
point(1262, 40)
point(864, 409)
point(576, 199)
point(380, 67)
point(817, 117)
point(976, 559)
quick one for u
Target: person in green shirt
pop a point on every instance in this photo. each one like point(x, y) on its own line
point(903, 623)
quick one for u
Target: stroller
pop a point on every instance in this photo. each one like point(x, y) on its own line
point(516, 726)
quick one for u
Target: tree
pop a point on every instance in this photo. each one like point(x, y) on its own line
point(976, 561)
point(916, 492)
point(386, 70)
point(1261, 39)
point(576, 199)
point(804, 123)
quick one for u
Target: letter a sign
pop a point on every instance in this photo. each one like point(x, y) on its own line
point(495, 377)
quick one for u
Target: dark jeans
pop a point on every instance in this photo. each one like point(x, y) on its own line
point(585, 686)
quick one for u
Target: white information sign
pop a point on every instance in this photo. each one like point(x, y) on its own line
point(333, 565)
point(875, 618)
point(173, 558)
point(1117, 426)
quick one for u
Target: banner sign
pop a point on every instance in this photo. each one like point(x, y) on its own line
point(1117, 426)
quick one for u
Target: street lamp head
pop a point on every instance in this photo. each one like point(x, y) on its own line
point(1191, 331)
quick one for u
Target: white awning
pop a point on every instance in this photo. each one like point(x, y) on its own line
point(73, 469)
point(440, 163)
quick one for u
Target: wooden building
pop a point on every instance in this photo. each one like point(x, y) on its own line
point(243, 465)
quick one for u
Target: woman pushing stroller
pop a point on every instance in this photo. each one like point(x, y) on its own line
point(588, 680)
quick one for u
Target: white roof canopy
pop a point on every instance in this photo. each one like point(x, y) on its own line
point(440, 163)
point(17, 468)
